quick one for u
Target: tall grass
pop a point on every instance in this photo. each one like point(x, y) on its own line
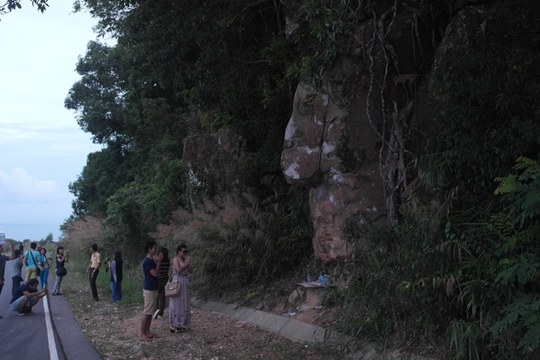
point(77, 282)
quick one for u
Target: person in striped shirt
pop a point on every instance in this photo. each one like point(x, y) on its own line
point(163, 278)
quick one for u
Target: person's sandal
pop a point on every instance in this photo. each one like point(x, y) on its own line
point(177, 331)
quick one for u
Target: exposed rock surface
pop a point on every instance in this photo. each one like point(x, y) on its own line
point(349, 141)
point(354, 139)
point(198, 148)
point(338, 162)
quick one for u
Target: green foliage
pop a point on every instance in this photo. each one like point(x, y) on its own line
point(468, 339)
point(499, 267)
point(47, 239)
point(159, 84)
point(131, 284)
point(328, 27)
point(397, 286)
point(490, 108)
point(105, 172)
point(522, 191)
point(171, 188)
point(488, 118)
point(267, 242)
point(124, 209)
point(11, 5)
point(182, 68)
point(100, 97)
point(478, 280)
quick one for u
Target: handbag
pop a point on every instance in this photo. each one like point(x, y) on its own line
point(61, 271)
point(172, 289)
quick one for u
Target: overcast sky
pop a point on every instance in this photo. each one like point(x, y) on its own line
point(42, 149)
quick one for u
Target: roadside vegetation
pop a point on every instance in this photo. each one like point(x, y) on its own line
point(455, 277)
point(114, 328)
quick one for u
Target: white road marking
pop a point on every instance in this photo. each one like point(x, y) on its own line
point(50, 332)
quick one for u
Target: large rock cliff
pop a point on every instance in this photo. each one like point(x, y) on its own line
point(352, 141)
point(353, 137)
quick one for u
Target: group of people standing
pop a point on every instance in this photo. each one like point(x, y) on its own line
point(157, 272)
point(26, 294)
point(158, 269)
point(37, 258)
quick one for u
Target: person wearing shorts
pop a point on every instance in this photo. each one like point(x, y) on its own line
point(150, 288)
point(26, 296)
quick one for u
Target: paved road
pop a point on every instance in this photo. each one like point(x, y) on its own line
point(50, 333)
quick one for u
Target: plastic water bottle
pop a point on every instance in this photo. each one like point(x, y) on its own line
point(308, 279)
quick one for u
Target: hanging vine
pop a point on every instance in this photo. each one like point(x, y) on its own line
point(371, 29)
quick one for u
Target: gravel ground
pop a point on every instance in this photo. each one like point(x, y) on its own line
point(114, 330)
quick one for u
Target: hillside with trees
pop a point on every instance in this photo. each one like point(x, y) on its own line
point(192, 105)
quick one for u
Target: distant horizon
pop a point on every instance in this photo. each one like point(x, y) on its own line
point(35, 232)
point(43, 148)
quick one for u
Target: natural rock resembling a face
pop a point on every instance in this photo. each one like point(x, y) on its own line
point(354, 141)
point(333, 152)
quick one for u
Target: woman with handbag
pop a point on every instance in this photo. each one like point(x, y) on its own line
point(61, 260)
point(179, 306)
point(44, 263)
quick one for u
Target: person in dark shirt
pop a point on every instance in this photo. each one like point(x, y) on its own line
point(26, 296)
point(16, 269)
point(3, 259)
point(151, 272)
point(61, 260)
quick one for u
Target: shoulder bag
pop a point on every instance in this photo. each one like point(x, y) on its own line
point(172, 288)
point(61, 271)
point(38, 271)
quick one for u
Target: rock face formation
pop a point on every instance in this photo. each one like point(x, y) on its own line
point(352, 140)
point(338, 162)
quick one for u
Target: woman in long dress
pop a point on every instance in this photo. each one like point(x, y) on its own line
point(179, 306)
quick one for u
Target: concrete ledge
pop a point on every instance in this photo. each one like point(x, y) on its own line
point(268, 321)
point(243, 313)
point(300, 331)
point(205, 304)
point(225, 309)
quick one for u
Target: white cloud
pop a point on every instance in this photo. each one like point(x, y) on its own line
point(42, 149)
point(19, 187)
